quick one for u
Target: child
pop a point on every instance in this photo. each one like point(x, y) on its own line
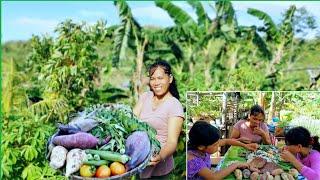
point(302, 151)
point(204, 139)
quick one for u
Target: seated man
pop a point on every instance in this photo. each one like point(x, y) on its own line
point(252, 130)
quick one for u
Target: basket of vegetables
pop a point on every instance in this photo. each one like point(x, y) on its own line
point(102, 142)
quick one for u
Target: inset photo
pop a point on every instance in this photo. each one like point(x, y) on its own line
point(253, 135)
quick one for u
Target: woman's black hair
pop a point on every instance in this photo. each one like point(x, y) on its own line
point(301, 135)
point(256, 110)
point(167, 69)
point(202, 134)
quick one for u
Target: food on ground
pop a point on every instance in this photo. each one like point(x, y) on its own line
point(294, 172)
point(238, 174)
point(254, 176)
point(277, 172)
point(269, 167)
point(246, 173)
point(257, 162)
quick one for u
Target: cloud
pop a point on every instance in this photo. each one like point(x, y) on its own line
point(151, 13)
point(88, 13)
point(43, 23)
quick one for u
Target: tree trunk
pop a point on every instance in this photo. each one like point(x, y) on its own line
point(261, 99)
point(276, 59)
point(137, 78)
point(233, 61)
point(272, 107)
point(224, 113)
point(207, 74)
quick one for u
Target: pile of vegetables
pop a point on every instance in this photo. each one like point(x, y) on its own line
point(265, 163)
point(102, 141)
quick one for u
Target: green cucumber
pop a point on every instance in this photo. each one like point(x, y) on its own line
point(95, 163)
point(109, 155)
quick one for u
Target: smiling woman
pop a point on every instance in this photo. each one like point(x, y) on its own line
point(161, 108)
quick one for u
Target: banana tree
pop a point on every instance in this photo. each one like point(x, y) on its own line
point(221, 35)
point(278, 38)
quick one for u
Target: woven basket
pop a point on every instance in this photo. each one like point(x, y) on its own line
point(126, 175)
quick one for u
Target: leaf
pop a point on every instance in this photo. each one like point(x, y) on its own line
point(122, 34)
point(203, 18)
point(31, 172)
point(271, 29)
point(179, 16)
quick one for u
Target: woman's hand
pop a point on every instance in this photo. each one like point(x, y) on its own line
point(258, 131)
point(244, 140)
point(287, 156)
point(240, 165)
point(252, 146)
point(155, 160)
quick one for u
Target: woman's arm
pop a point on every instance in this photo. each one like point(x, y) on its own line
point(233, 142)
point(174, 129)
point(311, 173)
point(264, 135)
point(209, 174)
point(137, 108)
point(235, 133)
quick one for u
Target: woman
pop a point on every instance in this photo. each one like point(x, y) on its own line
point(252, 130)
point(161, 109)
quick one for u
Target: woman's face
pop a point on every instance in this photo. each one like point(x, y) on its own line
point(212, 148)
point(294, 149)
point(256, 120)
point(160, 82)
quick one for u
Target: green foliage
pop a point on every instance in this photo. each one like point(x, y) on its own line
point(208, 108)
point(68, 64)
point(23, 143)
point(271, 28)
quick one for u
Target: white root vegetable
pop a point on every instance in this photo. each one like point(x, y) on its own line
point(238, 174)
point(277, 172)
point(277, 177)
point(254, 176)
point(284, 176)
point(75, 159)
point(269, 176)
point(290, 177)
point(58, 157)
point(294, 172)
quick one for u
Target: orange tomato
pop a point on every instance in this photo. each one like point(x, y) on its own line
point(117, 168)
point(103, 171)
